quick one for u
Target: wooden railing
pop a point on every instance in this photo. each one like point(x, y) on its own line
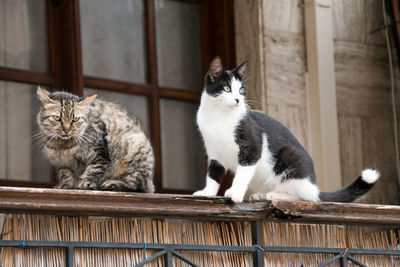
point(79, 202)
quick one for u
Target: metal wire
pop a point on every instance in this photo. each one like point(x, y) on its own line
point(169, 250)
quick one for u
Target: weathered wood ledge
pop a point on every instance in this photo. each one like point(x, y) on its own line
point(100, 203)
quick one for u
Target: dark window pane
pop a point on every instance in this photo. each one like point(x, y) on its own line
point(178, 45)
point(182, 152)
point(113, 39)
point(23, 35)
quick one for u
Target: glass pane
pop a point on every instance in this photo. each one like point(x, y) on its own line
point(178, 45)
point(182, 152)
point(23, 35)
point(20, 157)
point(113, 39)
point(135, 105)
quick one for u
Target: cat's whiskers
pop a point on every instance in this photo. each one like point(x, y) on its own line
point(41, 140)
point(35, 136)
point(53, 137)
point(252, 102)
point(44, 140)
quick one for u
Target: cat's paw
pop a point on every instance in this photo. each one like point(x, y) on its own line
point(236, 195)
point(87, 185)
point(113, 185)
point(65, 185)
point(257, 197)
point(272, 196)
point(203, 193)
point(280, 196)
point(66, 179)
point(228, 193)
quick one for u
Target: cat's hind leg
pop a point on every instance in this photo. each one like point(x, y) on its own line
point(280, 196)
point(132, 167)
point(295, 190)
point(296, 170)
point(134, 180)
point(257, 196)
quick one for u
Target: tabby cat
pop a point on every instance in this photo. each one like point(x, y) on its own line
point(268, 162)
point(94, 144)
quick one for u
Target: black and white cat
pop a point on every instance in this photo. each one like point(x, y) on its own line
point(268, 162)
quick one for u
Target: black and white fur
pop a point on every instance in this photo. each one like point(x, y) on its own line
point(268, 161)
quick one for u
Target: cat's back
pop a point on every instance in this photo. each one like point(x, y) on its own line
point(278, 135)
point(112, 117)
point(123, 133)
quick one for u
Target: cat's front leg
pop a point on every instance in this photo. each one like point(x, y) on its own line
point(95, 170)
point(215, 173)
point(242, 178)
point(66, 179)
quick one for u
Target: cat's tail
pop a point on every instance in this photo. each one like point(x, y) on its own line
point(352, 191)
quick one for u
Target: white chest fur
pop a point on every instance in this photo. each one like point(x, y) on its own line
point(217, 126)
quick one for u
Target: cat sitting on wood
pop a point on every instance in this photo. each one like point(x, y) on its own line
point(268, 162)
point(94, 144)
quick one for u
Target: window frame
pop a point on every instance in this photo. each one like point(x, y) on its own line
point(66, 68)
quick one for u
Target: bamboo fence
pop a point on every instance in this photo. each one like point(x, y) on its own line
point(174, 231)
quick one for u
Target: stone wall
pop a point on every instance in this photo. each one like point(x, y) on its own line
point(271, 33)
point(274, 29)
point(365, 112)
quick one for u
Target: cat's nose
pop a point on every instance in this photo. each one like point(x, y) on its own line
point(66, 129)
point(237, 101)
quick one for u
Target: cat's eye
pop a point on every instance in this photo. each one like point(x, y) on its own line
point(227, 89)
point(76, 119)
point(242, 90)
point(56, 118)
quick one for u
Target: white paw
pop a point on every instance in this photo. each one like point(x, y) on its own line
point(228, 193)
point(271, 196)
point(257, 197)
point(236, 195)
point(237, 198)
point(203, 193)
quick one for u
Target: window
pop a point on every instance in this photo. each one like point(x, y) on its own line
point(147, 55)
point(24, 62)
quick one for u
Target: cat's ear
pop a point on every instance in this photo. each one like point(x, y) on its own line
point(241, 69)
point(87, 100)
point(216, 68)
point(43, 96)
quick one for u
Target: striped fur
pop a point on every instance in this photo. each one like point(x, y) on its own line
point(94, 144)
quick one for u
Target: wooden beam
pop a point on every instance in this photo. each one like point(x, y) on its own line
point(324, 139)
point(80, 202)
point(24, 76)
point(102, 203)
point(343, 213)
point(218, 33)
point(65, 45)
